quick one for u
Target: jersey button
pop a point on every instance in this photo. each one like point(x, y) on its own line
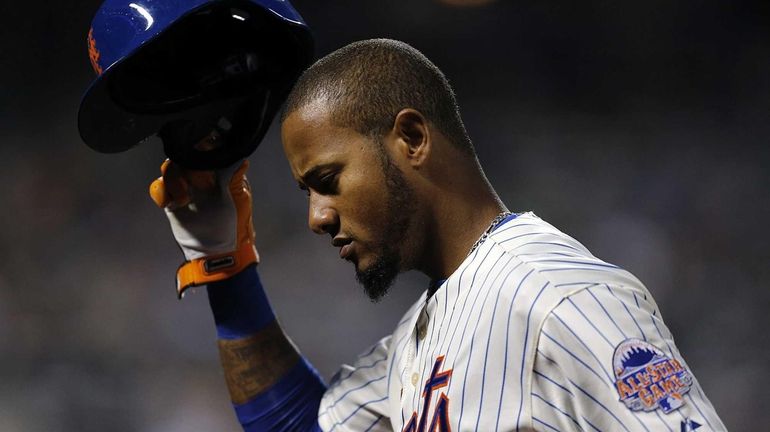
point(415, 379)
point(422, 324)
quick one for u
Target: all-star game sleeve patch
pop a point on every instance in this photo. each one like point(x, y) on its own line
point(647, 379)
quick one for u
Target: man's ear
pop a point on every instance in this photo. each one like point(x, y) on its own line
point(411, 136)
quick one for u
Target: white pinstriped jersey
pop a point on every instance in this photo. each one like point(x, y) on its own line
point(531, 332)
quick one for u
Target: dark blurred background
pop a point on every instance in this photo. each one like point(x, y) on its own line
point(640, 128)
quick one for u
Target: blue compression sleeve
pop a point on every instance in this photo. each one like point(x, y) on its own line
point(241, 309)
point(240, 305)
point(291, 404)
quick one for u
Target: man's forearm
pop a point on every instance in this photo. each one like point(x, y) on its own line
point(255, 363)
point(272, 387)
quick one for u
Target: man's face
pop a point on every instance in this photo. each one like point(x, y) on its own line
point(356, 194)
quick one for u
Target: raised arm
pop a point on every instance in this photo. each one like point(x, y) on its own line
point(271, 386)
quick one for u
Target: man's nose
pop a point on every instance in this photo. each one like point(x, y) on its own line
point(322, 217)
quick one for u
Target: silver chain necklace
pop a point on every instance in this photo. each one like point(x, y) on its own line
point(435, 284)
point(492, 226)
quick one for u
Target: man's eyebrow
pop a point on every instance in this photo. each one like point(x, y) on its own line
point(312, 174)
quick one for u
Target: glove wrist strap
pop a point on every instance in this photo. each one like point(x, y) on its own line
point(214, 268)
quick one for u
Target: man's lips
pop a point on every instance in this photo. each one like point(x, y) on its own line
point(346, 250)
point(345, 245)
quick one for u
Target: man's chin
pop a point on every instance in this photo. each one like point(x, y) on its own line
point(377, 277)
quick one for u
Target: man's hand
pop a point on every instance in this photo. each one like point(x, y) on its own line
point(210, 216)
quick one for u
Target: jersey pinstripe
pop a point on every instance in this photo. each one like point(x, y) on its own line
point(522, 336)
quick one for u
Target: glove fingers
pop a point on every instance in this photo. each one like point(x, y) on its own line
point(238, 186)
point(164, 166)
point(241, 193)
point(239, 176)
point(201, 180)
point(241, 171)
point(175, 186)
point(158, 188)
point(158, 193)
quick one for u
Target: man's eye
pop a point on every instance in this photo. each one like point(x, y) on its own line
point(327, 183)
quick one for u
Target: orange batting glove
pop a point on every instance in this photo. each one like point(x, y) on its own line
point(210, 216)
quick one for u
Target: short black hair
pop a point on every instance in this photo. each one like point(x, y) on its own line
point(368, 82)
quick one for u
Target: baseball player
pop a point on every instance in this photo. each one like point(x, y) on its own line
point(521, 328)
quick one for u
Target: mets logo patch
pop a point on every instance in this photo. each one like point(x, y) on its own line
point(93, 52)
point(647, 379)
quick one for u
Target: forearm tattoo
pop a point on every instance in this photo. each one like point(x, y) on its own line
point(253, 364)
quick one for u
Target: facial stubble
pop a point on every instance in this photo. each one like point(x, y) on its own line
point(378, 277)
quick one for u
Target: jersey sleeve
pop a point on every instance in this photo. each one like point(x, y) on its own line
point(357, 398)
point(606, 361)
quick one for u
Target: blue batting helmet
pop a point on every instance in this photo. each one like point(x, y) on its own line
point(206, 76)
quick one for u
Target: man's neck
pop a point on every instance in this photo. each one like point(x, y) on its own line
point(458, 222)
